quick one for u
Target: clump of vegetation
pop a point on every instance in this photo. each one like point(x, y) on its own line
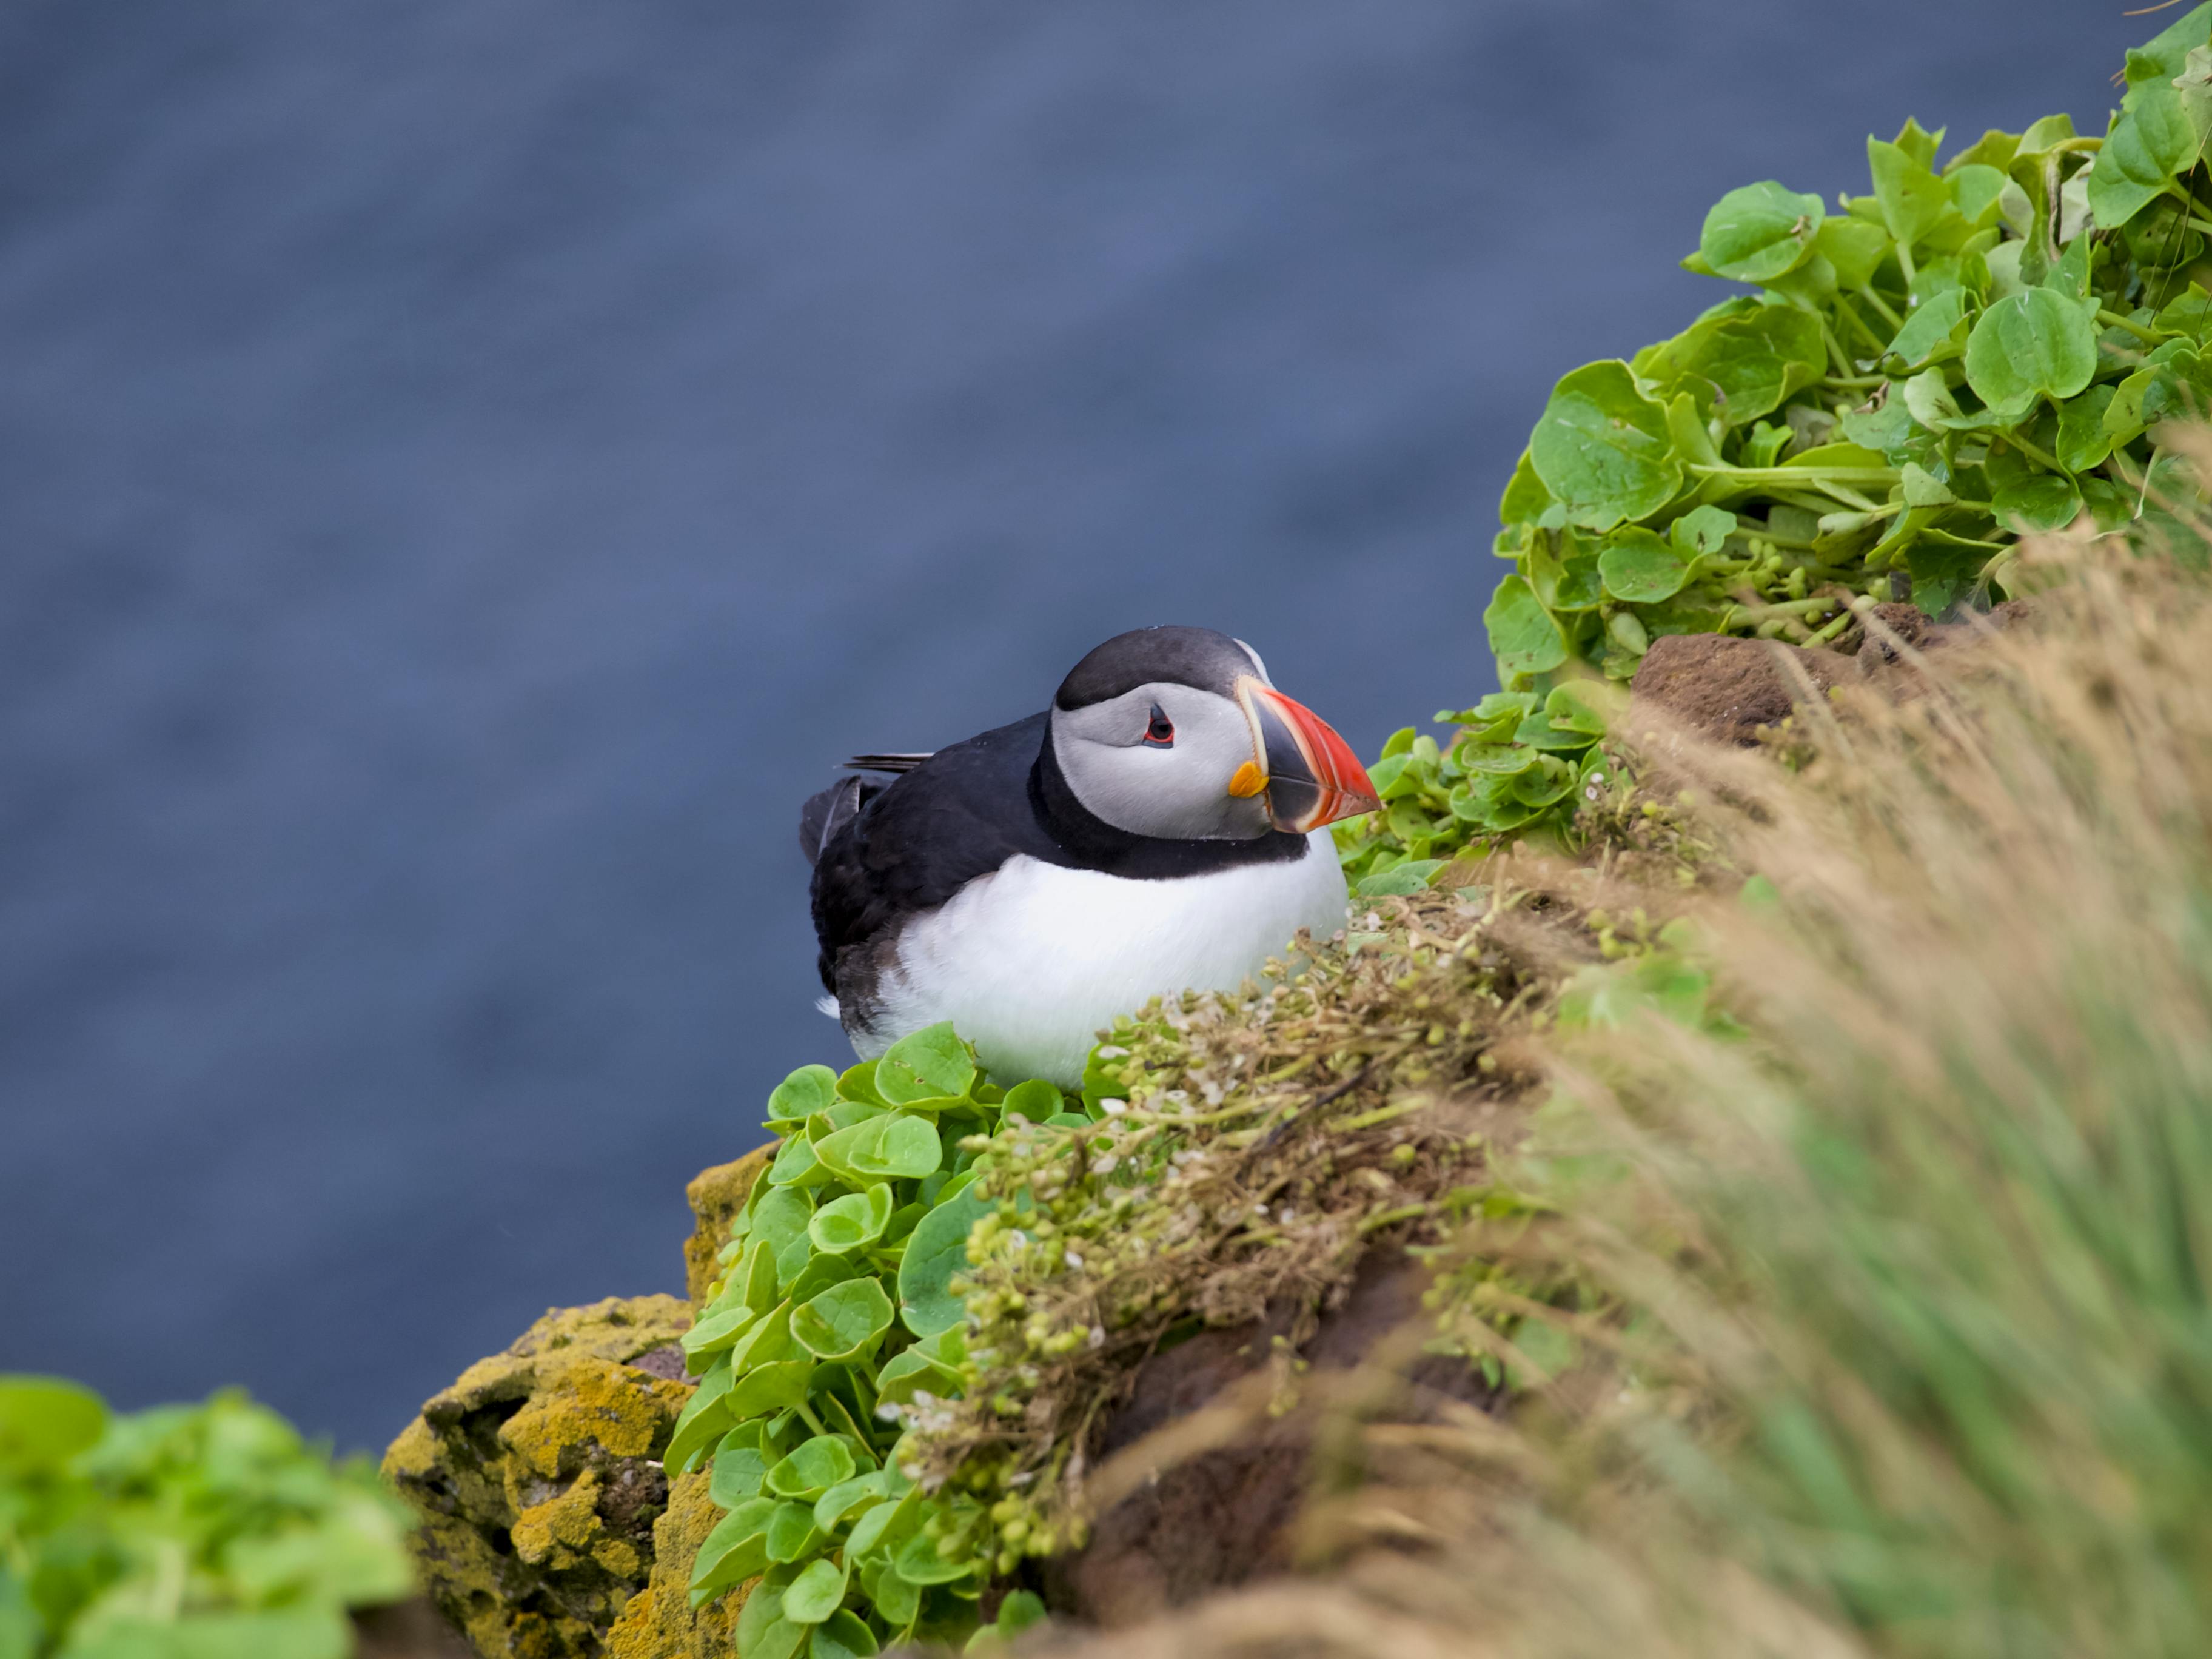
point(1982, 346)
point(837, 1307)
point(191, 1530)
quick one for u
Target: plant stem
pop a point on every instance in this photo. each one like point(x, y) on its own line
point(2113, 319)
point(1838, 359)
point(1866, 292)
point(1786, 476)
point(2048, 463)
point(1858, 322)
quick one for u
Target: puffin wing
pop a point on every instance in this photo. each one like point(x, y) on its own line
point(907, 845)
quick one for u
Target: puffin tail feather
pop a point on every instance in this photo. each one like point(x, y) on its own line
point(885, 763)
point(830, 811)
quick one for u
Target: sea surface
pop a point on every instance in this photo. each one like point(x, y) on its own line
point(469, 468)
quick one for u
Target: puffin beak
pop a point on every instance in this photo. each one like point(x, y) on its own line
point(1311, 773)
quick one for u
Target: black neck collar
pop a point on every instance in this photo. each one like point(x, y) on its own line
point(1091, 843)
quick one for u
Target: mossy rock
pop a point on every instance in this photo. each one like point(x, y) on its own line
point(544, 1510)
point(660, 1621)
point(537, 1477)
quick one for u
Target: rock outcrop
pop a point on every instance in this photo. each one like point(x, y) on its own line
point(548, 1526)
point(537, 1477)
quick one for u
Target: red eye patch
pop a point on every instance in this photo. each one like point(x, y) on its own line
point(1159, 732)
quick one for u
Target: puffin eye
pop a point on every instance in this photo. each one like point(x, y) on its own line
point(1159, 732)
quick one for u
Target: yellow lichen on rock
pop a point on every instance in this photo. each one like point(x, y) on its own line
point(715, 1196)
point(535, 1477)
point(659, 1622)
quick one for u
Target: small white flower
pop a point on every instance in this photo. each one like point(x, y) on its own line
point(1074, 1260)
point(1098, 1339)
point(1113, 1107)
point(1105, 1163)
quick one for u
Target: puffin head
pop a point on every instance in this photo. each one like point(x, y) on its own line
point(1178, 733)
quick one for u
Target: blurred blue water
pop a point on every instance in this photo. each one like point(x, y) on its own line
point(467, 467)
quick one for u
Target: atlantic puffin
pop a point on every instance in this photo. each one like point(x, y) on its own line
point(1160, 827)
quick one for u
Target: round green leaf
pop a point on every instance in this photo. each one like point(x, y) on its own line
point(2045, 501)
point(767, 1339)
point(770, 1387)
point(805, 1091)
point(893, 1147)
point(932, 1062)
point(782, 1218)
point(844, 1225)
point(843, 1321)
point(735, 1551)
point(46, 1420)
point(843, 1635)
point(1036, 1100)
point(762, 1629)
point(938, 1250)
point(706, 1418)
point(820, 1273)
point(919, 1563)
point(791, 1534)
point(1934, 332)
point(908, 1150)
point(740, 1467)
point(896, 1599)
point(1702, 529)
point(796, 1165)
point(812, 1469)
point(817, 1593)
point(1602, 449)
point(1523, 635)
point(1638, 566)
point(1021, 1609)
point(911, 1370)
point(1752, 360)
point(887, 1519)
point(848, 1497)
point(715, 1333)
point(2037, 342)
point(1761, 231)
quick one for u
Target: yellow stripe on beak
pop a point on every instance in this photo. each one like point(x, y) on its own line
point(1250, 780)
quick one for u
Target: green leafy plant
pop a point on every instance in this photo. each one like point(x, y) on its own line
point(188, 1530)
point(839, 1308)
point(1980, 347)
